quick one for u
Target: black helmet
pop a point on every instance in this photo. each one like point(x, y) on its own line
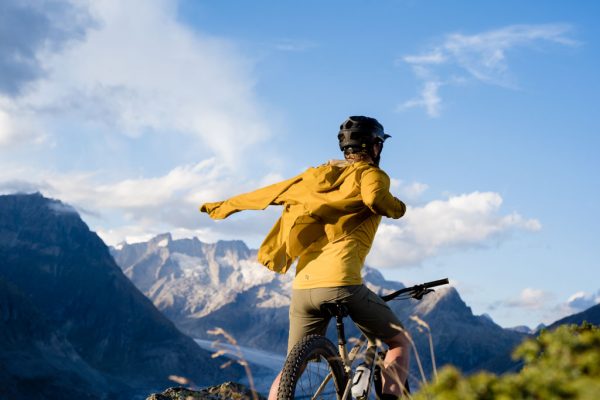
point(358, 132)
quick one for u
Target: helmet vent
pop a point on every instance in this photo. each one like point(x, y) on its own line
point(359, 132)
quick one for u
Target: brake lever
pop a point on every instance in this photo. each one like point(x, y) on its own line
point(419, 295)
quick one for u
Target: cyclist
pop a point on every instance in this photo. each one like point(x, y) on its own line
point(331, 214)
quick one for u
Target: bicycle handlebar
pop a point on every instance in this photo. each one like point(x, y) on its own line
point(416, 291)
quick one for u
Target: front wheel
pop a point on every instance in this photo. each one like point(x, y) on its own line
point(307, 366)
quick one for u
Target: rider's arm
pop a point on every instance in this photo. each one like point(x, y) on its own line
point(375, 192)
point(256, 200)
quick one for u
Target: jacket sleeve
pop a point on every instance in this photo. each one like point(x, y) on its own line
point(375, 192)
point(256, 200)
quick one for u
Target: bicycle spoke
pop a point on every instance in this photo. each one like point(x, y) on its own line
point(315, 382)
point(323, 386)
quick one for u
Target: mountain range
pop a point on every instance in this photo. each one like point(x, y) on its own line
point(200, 285)
point(81, 320)
point(72, 325)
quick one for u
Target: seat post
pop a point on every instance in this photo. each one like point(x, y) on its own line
point(339, 325)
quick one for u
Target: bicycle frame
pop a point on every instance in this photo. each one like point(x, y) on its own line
point(340, 312)
point(348, 358)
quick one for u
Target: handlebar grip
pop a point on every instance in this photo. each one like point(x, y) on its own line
point(439, 282)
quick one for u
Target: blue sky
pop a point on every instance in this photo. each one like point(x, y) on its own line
point(136, 112)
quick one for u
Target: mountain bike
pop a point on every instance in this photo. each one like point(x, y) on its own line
point(315, 369)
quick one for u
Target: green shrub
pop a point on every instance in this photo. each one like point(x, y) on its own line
point(559, 364)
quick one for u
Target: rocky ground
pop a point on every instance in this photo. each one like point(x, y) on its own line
point(225, 391)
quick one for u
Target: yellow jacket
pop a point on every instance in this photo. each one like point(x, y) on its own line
point(323, 205)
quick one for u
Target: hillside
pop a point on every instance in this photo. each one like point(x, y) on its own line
point(71, 310)
point(591, 315)
point(35, 360)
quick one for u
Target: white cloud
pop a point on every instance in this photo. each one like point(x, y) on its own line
point(408, 191)
point(467, 220)
point(414, 190)
point(138, 71)
point(428, 99)
point(530, 298)
point(546, 305)
point(581, 301)
point(35, 27)
point(128, 75)
point(293, 45)
point(484, 55)
point(136, 209)
point(130, 234)
point(7, 130)
point(576, 303)
point(15, 126)
point(188, 184)
point(481, 57)
point(435, 57)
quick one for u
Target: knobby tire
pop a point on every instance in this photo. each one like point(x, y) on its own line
point(297, 380)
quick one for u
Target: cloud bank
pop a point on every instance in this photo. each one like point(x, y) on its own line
point(21, 62)
point(480, 57)
point(581, 301)
point(546, 305)
point(147, 206)
point(134, 209)
point(113, 73)
point(458, 222)
point(531, 299)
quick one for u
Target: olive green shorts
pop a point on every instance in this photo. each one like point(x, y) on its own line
point(368, 311)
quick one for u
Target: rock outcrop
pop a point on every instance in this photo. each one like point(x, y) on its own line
point(226, 391)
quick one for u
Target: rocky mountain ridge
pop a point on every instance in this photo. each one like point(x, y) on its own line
point(200, 286)
point(72, 323)
point(591, 315)
point(167, 271)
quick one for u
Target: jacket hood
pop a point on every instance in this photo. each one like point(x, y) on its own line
point(331, 175)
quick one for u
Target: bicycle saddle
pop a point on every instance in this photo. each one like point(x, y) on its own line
point(334, 310)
